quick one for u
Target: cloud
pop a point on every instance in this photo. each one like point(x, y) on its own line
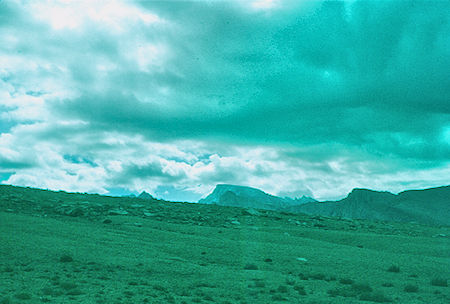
point(175, 96)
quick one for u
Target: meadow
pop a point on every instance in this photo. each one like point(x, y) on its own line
point(159, 252)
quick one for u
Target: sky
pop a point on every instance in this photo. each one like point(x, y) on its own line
point(173, 97)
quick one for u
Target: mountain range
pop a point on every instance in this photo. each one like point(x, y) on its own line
point(247, 197)
point(428, 206)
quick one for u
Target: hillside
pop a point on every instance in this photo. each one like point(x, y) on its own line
point(58, 247)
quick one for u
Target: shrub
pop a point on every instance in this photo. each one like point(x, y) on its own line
point(377, 297)
point(8, 269)
point(346, 281)
point(68, 285)
point(441, 282)
point(251, 267)
point(290, 281)
point(23, 296)
point(75, 292)
point(260, 284)
point(277, 297)
point(5, 300)
point(300, 289)
point(394, 268)
point(303, 276)
point(318, 276)
point(362, 288)
point(66, 258)
point(282, 288)
point(411, 288)
point(48, 291)
point(343, 292)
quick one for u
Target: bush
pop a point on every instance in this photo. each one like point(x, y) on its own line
point(318, 276)
point(282, 289)
point(303, 276)
point(394, 268)
point(300, 289)
point(68, 285)
point(411, 288)
point(66, 258)
point(260, 284)
point(23, 296)
point(251, 267)
point(441, 282)
point(377, 297)
point(346, 281)
point(343, 292)
point(362, 288)
point(5, 300)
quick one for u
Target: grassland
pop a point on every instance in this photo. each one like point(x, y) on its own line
point(185, 253)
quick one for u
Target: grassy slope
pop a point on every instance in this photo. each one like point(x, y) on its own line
point(166, 260)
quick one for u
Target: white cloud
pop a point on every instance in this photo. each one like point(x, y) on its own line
point(76, 15)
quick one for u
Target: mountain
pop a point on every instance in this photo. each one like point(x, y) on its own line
point(247, 197)
point(429, 206)
point(146, 196)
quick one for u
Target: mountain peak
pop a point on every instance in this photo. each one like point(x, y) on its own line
point(248, 197)
point(145, 195)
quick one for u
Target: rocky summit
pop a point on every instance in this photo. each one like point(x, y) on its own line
point(247, 197)
point(146, 196)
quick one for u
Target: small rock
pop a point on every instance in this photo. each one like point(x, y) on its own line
point(149, 214)
point(118, 212)
point(137, 206)
point(302, 259)
point(235, 222)
point(79, 211)
point(138, 224)
point(250, 211)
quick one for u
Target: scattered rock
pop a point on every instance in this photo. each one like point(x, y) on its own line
point(250, 211)
point(440, 235)
point(137, 206)
point(76, 212)
point(117, 212)
point(235, 222)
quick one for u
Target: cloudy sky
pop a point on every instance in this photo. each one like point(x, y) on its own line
point(292, 97)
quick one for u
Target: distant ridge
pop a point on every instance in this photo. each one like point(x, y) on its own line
point(428, 206)
point(247, 197)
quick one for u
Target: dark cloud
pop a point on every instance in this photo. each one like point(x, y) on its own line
point(367, 75)
point(358, 83)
